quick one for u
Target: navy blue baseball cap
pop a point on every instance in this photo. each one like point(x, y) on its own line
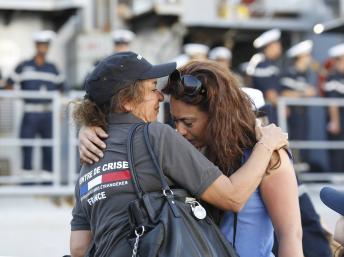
point(333, 199)
point(119, 71)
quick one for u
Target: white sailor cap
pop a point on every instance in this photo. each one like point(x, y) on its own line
point(256, 96)
point(192, 49)
point(122, 36)
point(336, 51)
point(304, 47)
point(181, 60)
point(220, 52)
point(43, 36)
point(267, 38)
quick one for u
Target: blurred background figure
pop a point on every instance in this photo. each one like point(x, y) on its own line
point(258, 103)
point(334, 87)
point(263, 69)
point(245, 77)
point(2, 82)
point(221, 55)
point(192, 51)
point(295, 83)
point(37, 74)
point(196, 51)
point(122, 39)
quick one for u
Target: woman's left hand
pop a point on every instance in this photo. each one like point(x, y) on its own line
point(91, 144)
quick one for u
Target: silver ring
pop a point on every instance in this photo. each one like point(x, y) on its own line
point(142, 231)
point(167, 190)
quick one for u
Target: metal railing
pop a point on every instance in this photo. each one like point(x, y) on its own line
point(282, 105)
point(13, 183)
point(72, 137)
point(65, 168)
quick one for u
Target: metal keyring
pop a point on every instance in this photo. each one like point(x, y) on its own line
point(164, 191)
point(142, 231)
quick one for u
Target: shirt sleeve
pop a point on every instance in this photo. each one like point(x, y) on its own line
point(333, 86)
point(15, 75)
point(181, 161)
point(79, 219)
point(60, 79)
point(332, 94)
point(287, 82)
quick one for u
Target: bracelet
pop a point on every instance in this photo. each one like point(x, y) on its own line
point(266, 146)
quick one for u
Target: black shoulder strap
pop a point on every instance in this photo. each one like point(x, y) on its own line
point(165, 187)
point(130, 155)
point(235, 227)
point(168, 193)
point(154, 159)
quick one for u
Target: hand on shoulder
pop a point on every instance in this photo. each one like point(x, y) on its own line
point(280, 162)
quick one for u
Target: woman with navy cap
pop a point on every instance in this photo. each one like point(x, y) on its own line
point(217, 119)
point(121, 92)
point(40, 75)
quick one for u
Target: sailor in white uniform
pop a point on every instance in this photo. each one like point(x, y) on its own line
point(39, 75)
point(263, 69)
point(334, 87)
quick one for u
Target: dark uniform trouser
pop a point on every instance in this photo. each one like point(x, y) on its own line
point(337, 155)
point(315, 243)
point(298, 128)
point(37, 123)
point(272, 115)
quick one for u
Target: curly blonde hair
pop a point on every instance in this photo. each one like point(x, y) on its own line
point(88, 113)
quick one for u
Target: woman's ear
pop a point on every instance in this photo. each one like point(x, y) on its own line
point(128, 106)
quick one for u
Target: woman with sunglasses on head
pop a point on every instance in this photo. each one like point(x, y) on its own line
point(212, 113)
point(121, 92)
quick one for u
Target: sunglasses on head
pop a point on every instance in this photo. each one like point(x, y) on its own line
point(192, 86)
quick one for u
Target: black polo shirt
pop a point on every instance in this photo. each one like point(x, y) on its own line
point(104, 189)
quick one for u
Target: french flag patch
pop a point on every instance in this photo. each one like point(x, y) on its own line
point(103, 179)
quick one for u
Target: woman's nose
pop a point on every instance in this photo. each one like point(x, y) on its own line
point(180, 129)
point(160, 96)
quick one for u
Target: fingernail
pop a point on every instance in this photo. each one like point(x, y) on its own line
point(103, 145)
point(90, 162)
point(97, 160)
point(101, 155)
